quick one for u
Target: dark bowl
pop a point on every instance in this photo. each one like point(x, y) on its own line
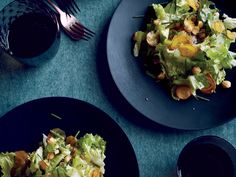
point(207, 156)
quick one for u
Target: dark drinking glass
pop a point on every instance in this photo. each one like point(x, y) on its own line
point(29, 31)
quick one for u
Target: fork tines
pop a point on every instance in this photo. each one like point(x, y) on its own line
point(75, 6)
point(81, 31)
point(69, 6)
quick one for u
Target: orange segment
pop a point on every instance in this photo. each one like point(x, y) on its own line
point(188, 50)
point(231, 35)
point(218, 26)
point(194, 4)
point(181, 38)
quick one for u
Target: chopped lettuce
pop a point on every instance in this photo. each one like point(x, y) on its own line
point(139, 37)
point(205, 12)
point(160, 11)
point(93, 148)
point(230, 23)
point(6, 164)
point(188, 44)
point(36, 157)
point(61, 156)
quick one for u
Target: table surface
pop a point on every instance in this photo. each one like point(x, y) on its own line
point(80, 70)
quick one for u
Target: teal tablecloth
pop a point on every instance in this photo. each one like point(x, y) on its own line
point(80, 70)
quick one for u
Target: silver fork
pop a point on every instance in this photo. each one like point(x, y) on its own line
point(69, 6)
point(72, 26)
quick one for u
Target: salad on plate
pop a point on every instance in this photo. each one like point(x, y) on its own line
point(186, 44)
point(58, 156)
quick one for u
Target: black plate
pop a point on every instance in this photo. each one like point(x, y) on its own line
point(22, 128)
point(152, 99)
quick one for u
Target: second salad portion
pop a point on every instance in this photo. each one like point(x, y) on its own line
point(58, 156)
point(186, 43)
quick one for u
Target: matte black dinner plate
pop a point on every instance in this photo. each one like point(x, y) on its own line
point(22, 129)
point(152, 99)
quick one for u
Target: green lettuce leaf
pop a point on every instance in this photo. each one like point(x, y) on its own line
point(205, 12)
point(170, 8)
point(216, 48)
point(64, 151)
point(93, 148)
point(160, 11)
point(182, 6)
point(174, 64)
point(139, 37)
point(83, 168)
point(36, 157)
point(6, 163)
point(230, 23)
point(196, 82)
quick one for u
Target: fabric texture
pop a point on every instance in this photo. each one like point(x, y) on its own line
point(80, 70)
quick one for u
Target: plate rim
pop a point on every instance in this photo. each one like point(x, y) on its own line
point(182, 128)
point(87, 104)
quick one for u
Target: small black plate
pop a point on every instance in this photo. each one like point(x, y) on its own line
point(22, 129)
point(207, 156)
point(150, 98)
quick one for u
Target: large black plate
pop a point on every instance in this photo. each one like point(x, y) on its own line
point(22, 128)
point(152, 99)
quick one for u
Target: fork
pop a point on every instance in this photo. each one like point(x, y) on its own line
point(69, 6)
point(71, 26)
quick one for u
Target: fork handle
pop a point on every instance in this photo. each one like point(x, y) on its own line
point(54, 6)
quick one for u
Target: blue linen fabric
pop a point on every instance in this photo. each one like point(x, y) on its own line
point(80, 70)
